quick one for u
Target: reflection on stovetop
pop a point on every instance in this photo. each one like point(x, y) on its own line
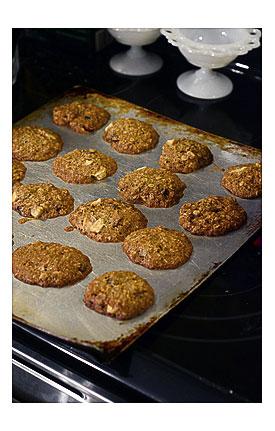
point(216, 331)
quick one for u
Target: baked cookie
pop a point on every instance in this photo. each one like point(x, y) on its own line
point(18, 171)
point(212, 216)
point(42, 200)
point(184, 155)
point(84, 166)
point(155, 188)
point(50, 264)
point(158, 248)
point(81, 117)
point(35, 143)
point(107, 220)
point(244, 180)
point(120, 294)
point(131, 136)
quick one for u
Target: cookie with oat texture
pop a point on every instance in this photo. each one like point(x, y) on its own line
point(50, 264)
point(185, 156)
point(119, 294)
point(35, 143)
point(42, 200)
point(244, 180)
point(18, 171)
point(107, 220)
point(81, 117)
point(212, 216)
point(84, 166)
point(155, 188)
point(131, 136)
point(158, 248)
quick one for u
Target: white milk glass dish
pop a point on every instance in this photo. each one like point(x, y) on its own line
point(208, 49)
point(136, 61)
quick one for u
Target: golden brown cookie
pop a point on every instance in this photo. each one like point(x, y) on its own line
point(42, 200)
point(18, 171)
point(158, 248)
point(155, 188)
point(84, 166)
point(81, 117)
point(244, 180)
point(119, 294)
point(212, 216)
point(184, 155)
point(35, 143)
point(131, 136)
point(50, 264)
point(107, 220)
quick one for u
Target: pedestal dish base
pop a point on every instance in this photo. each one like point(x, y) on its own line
point(204, 84)
point(136, 62)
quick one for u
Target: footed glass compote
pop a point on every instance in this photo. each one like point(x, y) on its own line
point(135, 61)
point(208, 49)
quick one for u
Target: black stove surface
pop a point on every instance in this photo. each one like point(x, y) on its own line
point(208, 348)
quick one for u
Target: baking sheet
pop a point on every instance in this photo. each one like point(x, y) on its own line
point(61, 312)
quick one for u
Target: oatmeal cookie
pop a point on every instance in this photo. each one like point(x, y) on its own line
point(119, 294)
point(84, 166)
point(107, 220)
point(244, 180)
point(212, 216)
point(50, 264)
point(81, 117)
point(158, 248)
point(35, 143)
point(42, 200)
point(155, 188)
point(184, 155)
point(18, 171)
point(131, 136)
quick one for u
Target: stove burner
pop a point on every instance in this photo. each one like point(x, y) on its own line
point(225, 309)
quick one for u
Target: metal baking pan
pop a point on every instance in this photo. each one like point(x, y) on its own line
point(61, 312)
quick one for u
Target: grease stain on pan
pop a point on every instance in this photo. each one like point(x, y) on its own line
point(124, 107)
point(215, 167)
point(197, 283)
point(114, 347)
point(108, 349)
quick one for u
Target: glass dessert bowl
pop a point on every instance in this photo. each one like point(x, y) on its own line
point(208, 49)
point(135, 61)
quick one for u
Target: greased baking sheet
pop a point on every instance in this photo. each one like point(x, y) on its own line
point(61, 312)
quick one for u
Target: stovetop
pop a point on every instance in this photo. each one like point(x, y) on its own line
point(208, 348)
